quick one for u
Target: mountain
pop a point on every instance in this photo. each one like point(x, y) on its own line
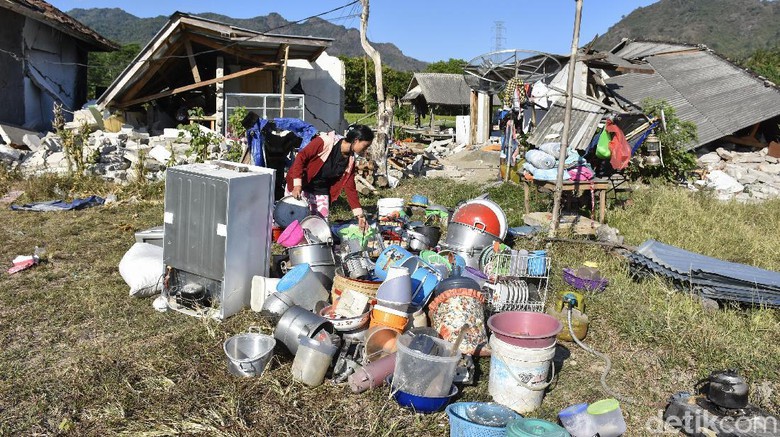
point(733, 28)
point(124, 28)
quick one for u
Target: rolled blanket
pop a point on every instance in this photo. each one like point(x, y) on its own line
point(549, 174)
point(573, 159)
point(553, 149)
point(529, 168)
point(540, 159)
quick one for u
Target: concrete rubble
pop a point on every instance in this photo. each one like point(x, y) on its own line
point(114, 156)
point(745, 175)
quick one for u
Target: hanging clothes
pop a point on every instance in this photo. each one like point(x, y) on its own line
point(256, 135)
point(514, 93)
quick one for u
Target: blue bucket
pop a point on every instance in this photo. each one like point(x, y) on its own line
point(424, 277)
point(537, 263)
point(391, 256)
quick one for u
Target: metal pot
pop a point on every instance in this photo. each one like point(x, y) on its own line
point(462, 237)
point(248, 354)
point(325, 274)
point(357, 266)
point(318, 228)
point(320, 254)
point(479, 216)
point(418, 241)
point(276, 305)
point(288, 209)
point(296, 322)
point(727, 389)
point(432, 233)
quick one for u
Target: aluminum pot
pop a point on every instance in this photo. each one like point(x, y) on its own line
point(248, 354)
point(462, 237)
point(433, 233)
point(276, 305)
point(296, 322)
point(320, 254)
point(418, 241)
point(479, 216)
point(325, 274)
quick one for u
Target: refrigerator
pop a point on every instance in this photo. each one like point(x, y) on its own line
point(217, 235)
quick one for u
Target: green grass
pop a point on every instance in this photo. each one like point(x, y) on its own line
point(80, 356)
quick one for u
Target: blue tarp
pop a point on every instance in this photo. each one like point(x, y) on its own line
point(59, 205)
point(712, 277)
point(256, 138)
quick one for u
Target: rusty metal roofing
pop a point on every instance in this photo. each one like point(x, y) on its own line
point(440, 89)
point(718, 96)
point(585, 117)
point(46, 13)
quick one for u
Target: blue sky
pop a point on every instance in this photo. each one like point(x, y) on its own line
point(429, 30)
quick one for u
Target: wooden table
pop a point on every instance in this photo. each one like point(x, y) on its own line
point(598, 186)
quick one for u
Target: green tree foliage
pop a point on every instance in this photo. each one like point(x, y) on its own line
point(453, 66)
point(104, 67)
point(360, 86)
point(765, 63)
point(677, 161)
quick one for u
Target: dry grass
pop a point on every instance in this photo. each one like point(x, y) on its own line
point(79, 356)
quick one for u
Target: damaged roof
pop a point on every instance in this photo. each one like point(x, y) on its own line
point(186, 38)
point(46, 13)
point(704, 88)
point(439, 89)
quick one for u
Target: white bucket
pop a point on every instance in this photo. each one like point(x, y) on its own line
point(262, 287)
point(518, 376)
point(389, 205)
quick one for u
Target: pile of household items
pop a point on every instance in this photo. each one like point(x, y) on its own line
point(407, 303)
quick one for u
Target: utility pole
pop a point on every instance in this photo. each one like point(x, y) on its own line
point(575, 41)
point(365, 84)
point(383, 116)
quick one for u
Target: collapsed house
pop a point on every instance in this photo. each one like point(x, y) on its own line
point(43, 60)
point(195, 62)
point(719, 97)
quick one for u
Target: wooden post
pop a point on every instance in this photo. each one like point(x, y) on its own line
point(566, 120)
point(284, 79)
point(193, 64)
point(473, 109)
point(383, 115)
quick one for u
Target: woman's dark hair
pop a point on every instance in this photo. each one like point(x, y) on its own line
point(359, 132)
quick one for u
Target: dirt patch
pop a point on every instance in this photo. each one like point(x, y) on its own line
point(476, 165)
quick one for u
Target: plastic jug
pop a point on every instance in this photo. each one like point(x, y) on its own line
point(312, 360)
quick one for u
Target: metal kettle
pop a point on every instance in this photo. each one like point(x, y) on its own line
point(727, 389)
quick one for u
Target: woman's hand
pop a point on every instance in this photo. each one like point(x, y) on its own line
point(362, 223)
point(296, 192)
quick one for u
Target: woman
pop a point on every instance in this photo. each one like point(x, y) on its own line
point(326, 167)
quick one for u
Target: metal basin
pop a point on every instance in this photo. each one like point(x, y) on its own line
point(462, 237)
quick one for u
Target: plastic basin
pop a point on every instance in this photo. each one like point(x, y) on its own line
point(421, 404)
point(525, 329)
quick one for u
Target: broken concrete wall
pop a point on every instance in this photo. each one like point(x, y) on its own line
point(11, 68)
point(323, 84)
point(51, 73)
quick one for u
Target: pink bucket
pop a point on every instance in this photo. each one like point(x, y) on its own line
point(525, 329)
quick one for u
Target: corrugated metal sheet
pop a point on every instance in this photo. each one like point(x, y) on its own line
point(443, 89)
point(585, 118)
point(641, 49)
point(716, 95)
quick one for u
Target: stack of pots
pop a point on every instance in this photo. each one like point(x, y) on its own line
point(319, 257)
point(475, 225)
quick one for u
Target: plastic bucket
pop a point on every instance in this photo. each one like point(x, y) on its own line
point(388, 317)
point(312, 360)
point(462, 426)
point(303, 286)
point(380, 342)
point(525, 328)
point(262, 287)
point(518, 376)
point(391, 256)
point(424, 280)
point(397, 287)
point(425, 366)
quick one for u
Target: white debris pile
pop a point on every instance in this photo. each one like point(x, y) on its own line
point(742, 175)
point(115, 156)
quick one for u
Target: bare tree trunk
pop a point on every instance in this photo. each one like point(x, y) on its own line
point(383, 115)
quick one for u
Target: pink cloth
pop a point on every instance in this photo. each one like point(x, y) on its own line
point(581, 173)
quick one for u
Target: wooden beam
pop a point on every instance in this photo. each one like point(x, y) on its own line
point(208, 42)
point(156, 64)
point(194, 86)
point(284, 79)
point(193, 64)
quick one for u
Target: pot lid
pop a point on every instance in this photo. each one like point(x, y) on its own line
point(603, 406)
point(289, 209)
point(293, 277)
point(318, 227)
point(727, 377)
point(496, 209)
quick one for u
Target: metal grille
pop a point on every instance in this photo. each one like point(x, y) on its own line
point(266, 105)
point(517, 281)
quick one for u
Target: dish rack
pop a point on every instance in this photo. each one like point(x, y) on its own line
point(517, 280)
